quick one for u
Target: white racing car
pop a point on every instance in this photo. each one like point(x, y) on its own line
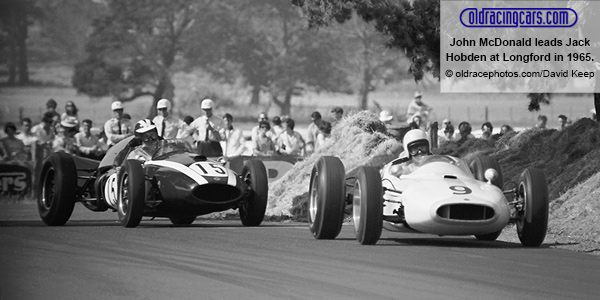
point(441, 195)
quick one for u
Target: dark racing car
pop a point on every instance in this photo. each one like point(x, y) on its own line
point(175, 183)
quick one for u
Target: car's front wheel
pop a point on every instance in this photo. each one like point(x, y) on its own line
point(367, 206)
point(326, 201)
point(182, 220)
point(56, 194)
point(254, 174)
point(532, 220)
point(132, 193)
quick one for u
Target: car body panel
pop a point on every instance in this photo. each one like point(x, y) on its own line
point(442, 197)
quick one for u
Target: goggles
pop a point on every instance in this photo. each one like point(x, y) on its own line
point(419, 147)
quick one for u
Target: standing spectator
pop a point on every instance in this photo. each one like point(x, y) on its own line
point(44, 131)
point(337, 113)
point(464, 132)
point(65, 138)
point(117, 128)
point(446, 135)
point(51, 109)
point(235, 144)
point(190, 138)
point(263, 145)
point(486, 131)
point(88, 144)
point(277, 129)
point(386, 117)
point(324, 134)
point(11, 147)
point(71, 114)
point(417, 108)
point(562, 122)
point(29, 138)
point(290, 142)
point(168, 125)
point(313, 131)
point(541, 122)
point(207, 129)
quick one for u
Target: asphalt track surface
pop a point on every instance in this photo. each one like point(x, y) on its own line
point(93, 257)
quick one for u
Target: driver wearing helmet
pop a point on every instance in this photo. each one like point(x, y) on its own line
point(147, 139)
point(416, 147)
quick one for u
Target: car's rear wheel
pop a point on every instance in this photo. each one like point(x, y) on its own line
point(326, 198)
point(56, 194)
point(367, 208)
point(254, 174)
point(182, 220)
point(532, 220)
point(481, 163)
point(132, 194)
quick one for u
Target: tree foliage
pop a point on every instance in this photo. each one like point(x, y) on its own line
point(412, 26)
point(134, 49)
point(267, 45)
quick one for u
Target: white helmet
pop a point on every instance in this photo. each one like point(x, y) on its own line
point(415, 137)
point(143, 126)
point(207, 104)
point(163, 103)
point(116, 105)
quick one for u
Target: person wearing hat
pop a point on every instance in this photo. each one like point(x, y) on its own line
point(65, 137)
point(417, 108)
point(117, 128)
point(386, 117)
point(168, 125)
point(206, 129)
point(337, 113)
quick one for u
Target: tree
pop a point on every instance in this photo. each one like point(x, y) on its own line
point(368, 61)
point(15, 16)
point(413, 26)
point(134, 49)
point(265, 43)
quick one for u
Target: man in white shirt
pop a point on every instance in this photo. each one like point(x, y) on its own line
point(207, 129)
point(168, 125)
point(89, 145)
point(417, 108)
point(290, 142)
point(313, 132)
point(233, 138)
point(117, 128)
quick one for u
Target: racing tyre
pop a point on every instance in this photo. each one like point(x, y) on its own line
point(132, 193)
point(326, 201)
point(367, 206)
point(489, 237)
point(254, 174)
point(56, 194)
point(480, 164)
point(182, 220)
point(533, 218)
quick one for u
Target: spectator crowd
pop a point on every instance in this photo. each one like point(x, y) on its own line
point(212, 135)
